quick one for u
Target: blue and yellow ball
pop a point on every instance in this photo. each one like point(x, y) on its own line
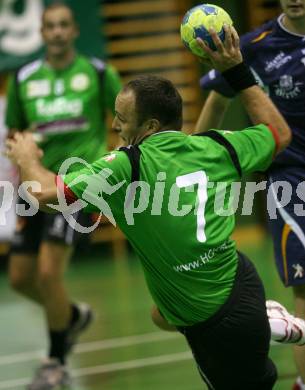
point(196, 23)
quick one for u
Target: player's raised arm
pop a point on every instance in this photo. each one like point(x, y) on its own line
point(228, 60)
point(212, 112)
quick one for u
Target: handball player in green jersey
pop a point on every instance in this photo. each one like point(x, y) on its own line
point(161, 191)
point(63, 99)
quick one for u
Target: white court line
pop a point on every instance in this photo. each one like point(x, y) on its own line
point(100, 345)
point(93, 346)
point(105, 368)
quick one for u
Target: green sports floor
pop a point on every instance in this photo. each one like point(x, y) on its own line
point(122, 350)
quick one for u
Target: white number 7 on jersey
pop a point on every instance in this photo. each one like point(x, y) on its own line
point(199, 178)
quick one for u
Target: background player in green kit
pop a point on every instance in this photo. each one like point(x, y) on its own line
point(161, 191)
point(63, 99)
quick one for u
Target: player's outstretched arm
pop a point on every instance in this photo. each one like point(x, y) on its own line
point(23, 152)
point(262, 110)
point(228, 60)
point(212, 112)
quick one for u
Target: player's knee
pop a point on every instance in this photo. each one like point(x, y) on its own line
point(299, 300)
point(18, 281)
point(299, 292)
point(47, 280)
point(154, 316)
point(160, 321)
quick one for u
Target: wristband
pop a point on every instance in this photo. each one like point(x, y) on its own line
point(239, 77)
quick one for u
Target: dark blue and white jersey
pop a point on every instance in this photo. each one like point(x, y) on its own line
point(277, 59)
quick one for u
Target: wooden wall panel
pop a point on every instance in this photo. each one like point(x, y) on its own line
point(144, 37)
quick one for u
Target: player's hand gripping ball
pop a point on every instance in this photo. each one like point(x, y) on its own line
point(196, 24)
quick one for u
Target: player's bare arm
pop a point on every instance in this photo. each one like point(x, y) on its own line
point(212, 112)
point(257, 104)
point(24, 152)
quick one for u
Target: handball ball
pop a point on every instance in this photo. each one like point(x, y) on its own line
point(196, 24)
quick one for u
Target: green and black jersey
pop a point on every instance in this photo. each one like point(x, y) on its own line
point(173, 218)
point(65, 109)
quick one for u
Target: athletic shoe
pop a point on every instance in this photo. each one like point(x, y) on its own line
point(85, 318)
point(51, 375)
point(298, 385)
point(285, 328)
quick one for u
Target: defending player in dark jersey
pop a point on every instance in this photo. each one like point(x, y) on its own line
point(276, 54)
